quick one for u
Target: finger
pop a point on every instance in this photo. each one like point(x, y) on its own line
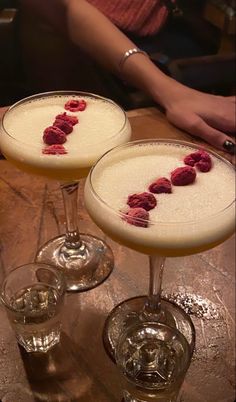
point(222, 117)
point(214, 137)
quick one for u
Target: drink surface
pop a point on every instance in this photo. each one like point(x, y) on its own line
point(190, 219)
point(37, 319)
point(102, 125)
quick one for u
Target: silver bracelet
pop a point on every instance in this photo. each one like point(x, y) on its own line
point(129, 53)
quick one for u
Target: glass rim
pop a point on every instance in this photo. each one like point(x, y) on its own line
point(45, 266)
point(161, 325)
point(122, 215)
point(58, 93)
point(176, 335)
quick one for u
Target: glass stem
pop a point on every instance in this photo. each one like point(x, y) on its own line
point(70, 195)
point(152, 307)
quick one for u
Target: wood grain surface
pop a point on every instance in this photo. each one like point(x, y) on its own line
point(31, 212)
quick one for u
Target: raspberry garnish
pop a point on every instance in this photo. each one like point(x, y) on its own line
point(64, 126)
point(188, 160)
point(183, 176)
point(161, 185)
point(75, 105)
point(55, 149)
point(53, 135)
point(200, 159)
point(203, 166)
point(68, 118)
point(137, 217)
point(144, 200)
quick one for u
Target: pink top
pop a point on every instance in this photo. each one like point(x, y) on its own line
point(142, 17)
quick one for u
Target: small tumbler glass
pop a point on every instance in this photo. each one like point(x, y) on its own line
point(153, 359)
point(33, 295)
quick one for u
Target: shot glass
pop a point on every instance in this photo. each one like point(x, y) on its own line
point(33, 296)
point(153, 359)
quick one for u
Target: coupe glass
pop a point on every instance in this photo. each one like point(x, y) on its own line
point(85, 260)
point(169, 237)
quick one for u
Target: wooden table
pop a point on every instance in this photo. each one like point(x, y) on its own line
point(31, 212)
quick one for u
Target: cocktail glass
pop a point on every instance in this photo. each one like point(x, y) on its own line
point(129, 169)
point(85, 259)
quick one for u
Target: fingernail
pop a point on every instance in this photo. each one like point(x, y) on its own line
point(230, 147)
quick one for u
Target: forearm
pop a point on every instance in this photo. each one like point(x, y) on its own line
point(96, 35)
point(92, 32)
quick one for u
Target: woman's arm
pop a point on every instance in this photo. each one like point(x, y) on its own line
point(104, 42)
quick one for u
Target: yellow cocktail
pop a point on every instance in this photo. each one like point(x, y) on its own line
point(93, 125)
point(188, 219)
point(101, 126)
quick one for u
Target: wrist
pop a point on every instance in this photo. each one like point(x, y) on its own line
point(140, 71)
point(166, 91)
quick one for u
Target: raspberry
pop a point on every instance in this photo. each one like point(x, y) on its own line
point(203, 155)
point(137, 217)
point(68, 118)
point(144, 200)
point(203, 166)
point(161, 185)
point(65, 126)
point(75, 105)
point(53, 135)
point(55, 149)
point(188, 160)
point(200, 159)
point(183, 176)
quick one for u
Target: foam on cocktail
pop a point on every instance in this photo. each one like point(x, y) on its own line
point(102, 125)
point(132, 169)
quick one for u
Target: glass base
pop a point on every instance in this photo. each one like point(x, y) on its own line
point(85, 267)
point(41, 342)
point(129, 312)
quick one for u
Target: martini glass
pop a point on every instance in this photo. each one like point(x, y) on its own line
point(190, 220)
point(85, 259)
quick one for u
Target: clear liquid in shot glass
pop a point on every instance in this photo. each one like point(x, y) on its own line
point(36, 317)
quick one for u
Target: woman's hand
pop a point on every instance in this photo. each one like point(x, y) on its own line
point(207, 116)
